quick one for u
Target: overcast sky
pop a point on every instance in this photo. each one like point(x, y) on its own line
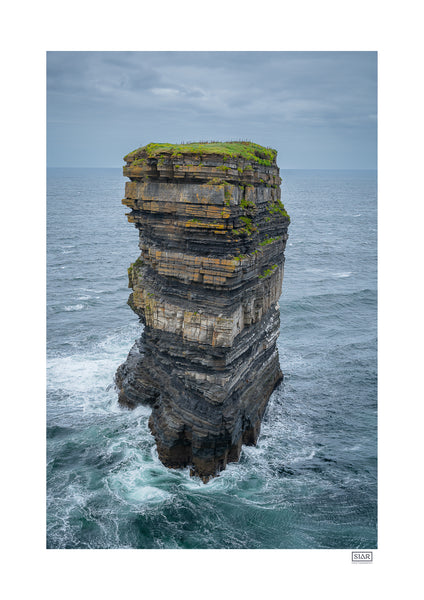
point(318, 109)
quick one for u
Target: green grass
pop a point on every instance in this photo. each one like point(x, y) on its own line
point(278, 208)
point(246, 150)
point(268, 272)
point(138, 162)
point(249, 227)
point(269, 240)
point(246, 204)
point(136, 264)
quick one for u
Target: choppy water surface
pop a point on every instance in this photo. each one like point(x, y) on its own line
point(311, 482)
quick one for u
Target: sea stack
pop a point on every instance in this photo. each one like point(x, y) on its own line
point(206, 286)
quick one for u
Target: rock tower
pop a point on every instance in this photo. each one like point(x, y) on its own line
point(206, 286)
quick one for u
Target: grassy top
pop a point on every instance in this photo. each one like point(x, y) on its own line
point(247, 150)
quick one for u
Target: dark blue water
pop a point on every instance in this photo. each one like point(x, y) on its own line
point(311, 482)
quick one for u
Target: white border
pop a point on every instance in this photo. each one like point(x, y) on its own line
point(31, 29)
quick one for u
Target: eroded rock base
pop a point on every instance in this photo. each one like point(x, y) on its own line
point(204, 407)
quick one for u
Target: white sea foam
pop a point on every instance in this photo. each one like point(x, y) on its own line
point(93, 364)
point(146, 494)
point(134, 486)
point(101, 291)
point(73, 307)
point(343, 274)
point(80, 372)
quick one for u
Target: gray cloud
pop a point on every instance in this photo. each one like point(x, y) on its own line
point(103, 104)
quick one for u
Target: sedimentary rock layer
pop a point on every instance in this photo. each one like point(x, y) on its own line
point(206, 286)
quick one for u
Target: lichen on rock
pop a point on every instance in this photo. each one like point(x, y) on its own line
point(206, 287)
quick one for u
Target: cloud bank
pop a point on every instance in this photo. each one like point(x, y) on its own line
point(318, 109)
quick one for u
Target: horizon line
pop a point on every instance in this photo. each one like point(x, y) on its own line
point(283, 168)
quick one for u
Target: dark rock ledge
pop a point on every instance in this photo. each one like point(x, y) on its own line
point(206, 286)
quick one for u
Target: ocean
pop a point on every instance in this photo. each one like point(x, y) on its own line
point(311, 481)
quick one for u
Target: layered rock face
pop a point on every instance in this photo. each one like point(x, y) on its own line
point(206, 286)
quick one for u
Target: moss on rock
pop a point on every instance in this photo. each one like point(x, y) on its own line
point(248, 151)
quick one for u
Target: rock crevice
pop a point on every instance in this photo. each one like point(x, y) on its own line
point(206, 286)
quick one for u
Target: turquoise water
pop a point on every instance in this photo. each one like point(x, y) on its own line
point(311, 482)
